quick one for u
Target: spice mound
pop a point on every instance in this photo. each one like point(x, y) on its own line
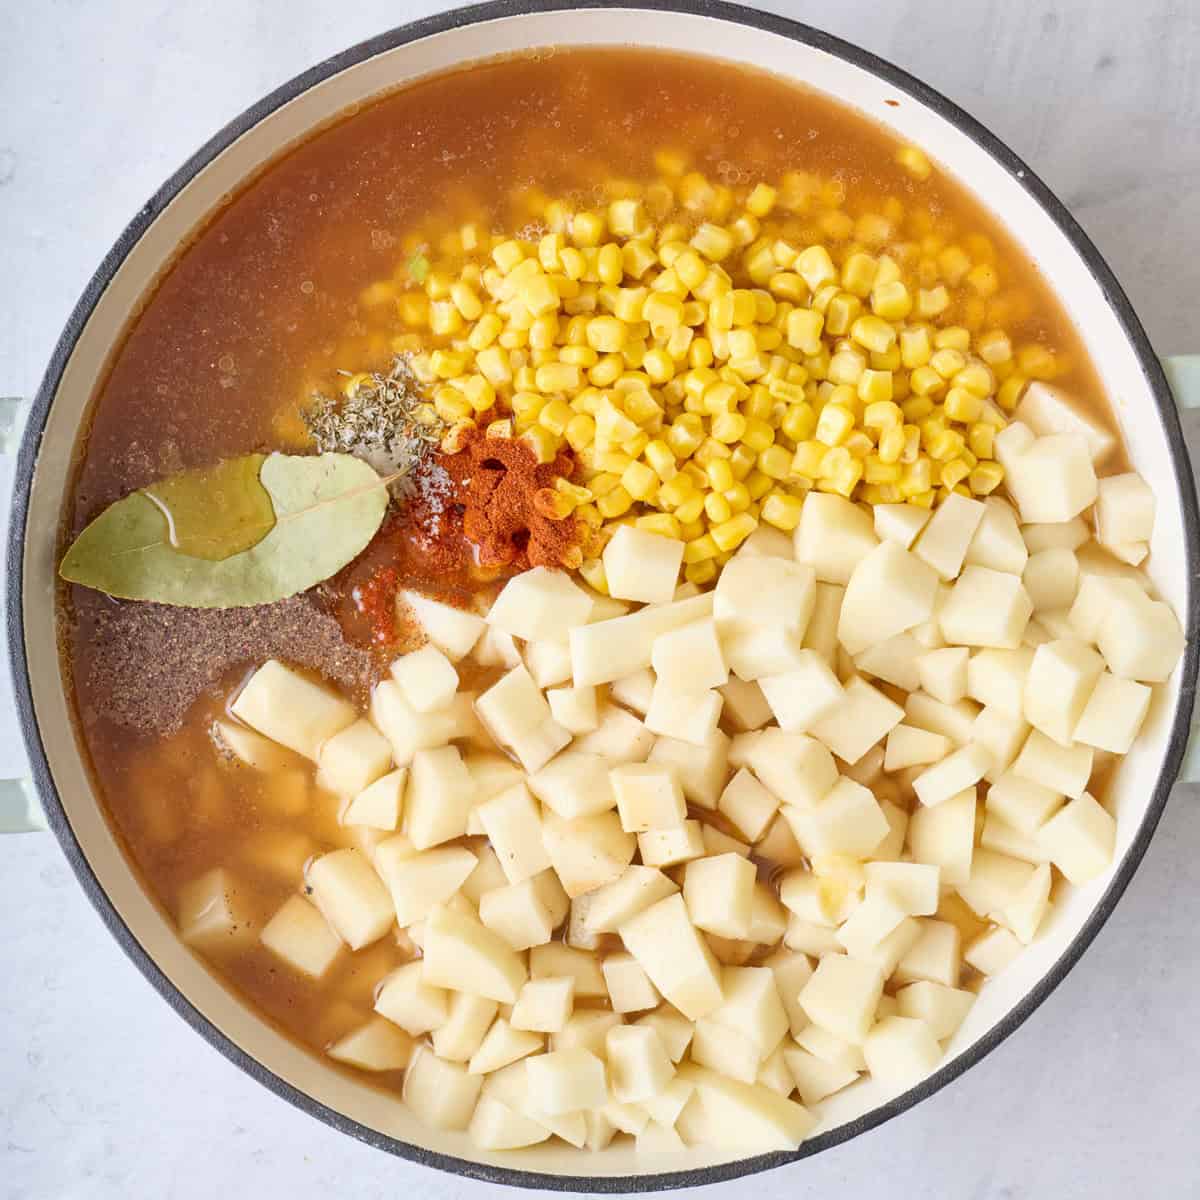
point(512, 510)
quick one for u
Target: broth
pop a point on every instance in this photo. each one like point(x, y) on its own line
point(265, 305)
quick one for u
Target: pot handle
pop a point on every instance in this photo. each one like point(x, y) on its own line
point(1183, 374)
point(20, 811)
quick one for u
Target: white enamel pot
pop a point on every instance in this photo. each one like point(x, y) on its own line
point(61, 791)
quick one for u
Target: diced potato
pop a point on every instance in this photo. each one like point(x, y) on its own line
point(848, 820)
point(815, 1079)
point(606, 650)
point(901, 1050)
point(1022, 803)
point(566, 1080)
point(458, 949)
point(255, 751)
point(690, 659)
point(511, 1086)
point(678, 961)
point(525, 914)
point(488, 874)
point(514, 827)
point(953, 775)
point(495, 1125)
point(406, 1000)
point(467, 1022)
point(638, 1063)
point(747, 1116)
point(832, 1049)
point(376, 1046)
point(574, 708)
point(668, 847)
point(301, 936)
point(544, 1004)
point(420, 880)
point(1065, 535)
point(619, 736)
point(1051, 578)
point(986, 608)
point(913, 887)
point(862, 717)
point(379, 805)
point(935, 957)
point(1024, 912)
point(496, 649)
point(279, 854)
point(997, 677)
point(748, 805)
point(953, 721)
point(701, 770)
point(450, 629)
point(944, 541)
point(992, 951)
point(716, 842)
point(753, 1007)
point(1002, 736)
point(291, 709)
point(1141, 641)
point(811, 939)
point(1053, 480)
point(635, 889)
point(540, 605)
point(889, 591)
point(753, 654)
point(665, 1106)
point(908, 746)
point(648, 796)
point(944, 836)
point(1060, 768)
point(1113, 715)
point(998, 543)
point(796, 768)
point(942, 1008)
point(517, 716)
point(426, 677)
point(686, 716)
point(575, 784)
point(501, 1045)
point(999, 835)
point(444, 1093)
point(629, 987)
point(870, 923)
point(587, 852)
point(634, 691)
point(586, 1028)
point(1080, 839)
point(833, 535)
point(408, 730)
point(719, 893)
point(821, 635)
point(642, 566)
point(893, 661)
point(352, 897)
point(728, 1051)
point(353, 759)
point(996, 880)
point(899, 523)
point(943, 673)
point(754, 594)
point(1060, 680)
point(745, 705)
point(439, 797)
point(842, 996)
point(549, 662)
point(215, 913)
point(804, 694)
point(892, 846)
point(1097, 596)
point(1124, 509)
point(768, 918)
point(1047, 409)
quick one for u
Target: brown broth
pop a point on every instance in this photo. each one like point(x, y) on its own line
point(263, 306)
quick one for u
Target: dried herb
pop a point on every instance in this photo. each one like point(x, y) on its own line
point(386, 421)
point(323, 512)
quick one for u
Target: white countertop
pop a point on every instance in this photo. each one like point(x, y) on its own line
point(105, 1093)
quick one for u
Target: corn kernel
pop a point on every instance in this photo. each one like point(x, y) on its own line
point(875, 386)
point(994, 347)
point(986, 478)
point(717, 507)
point(580, 431)
point(507, 255)
point(891, 300)
point(954, 472)
point(840, 471)
point(946, 445)
point(874, 333)
point(782, 510)
point(759, 435)
point(815, 266)
point(962, 405)
point(808, 459)
point(728, 427)
point(846, 367)
point(732, 533)
point(804, 328)
point(875, 470)
point(700, 549)
point(915, 347)
point(981, 439)
point(916, 478)
point(953, 337)
point(932, 302)
point(720, 474)
point(775, 462)
point(914, 162)
point(1009, 395)
point(858, 274)
point(447, 364)
point(761, 199)
point(639, 481)
point(891, 444)
point(841, 314)
point(834, 424)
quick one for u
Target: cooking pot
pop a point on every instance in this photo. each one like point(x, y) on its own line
point(61, 794)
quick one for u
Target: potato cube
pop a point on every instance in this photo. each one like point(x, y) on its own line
point(1024, 912)
point(668, 847)
point(525, 914)
point(766, 542)
point(1047, 409)
point(1099, 595)
point(544, 1004)
point(943, 673)
point(954, 774)
point(587, 852)
point(992, 951)
point(300, 935)
point(674, 1029)
point(444, 1093)
point(665, 1105)
point(575, 784)
point(1060, 768)
point(913, 887)
point(540, 605)
point(953, 721)
point(842, 996)
point(253, 749)
point(768, 918)
point(457, 948)
point(408, 1001)
point(1060, 680)
point(862, 717)
point(997, 834)
point(748, 805)
point(638, 1064)
point(1065, 535)
point(642, 566)
point(753, 654)
point(1124, 509)
point(833, 536)
point(680, 965)
point(420, 880)
point(686, 716)
point(634, 691)
point(754, 594)
point(1051, 578)
point(899, 523)
point(514, 827)
point(352, 897)
point(792, 971)
point(815, 1079)
point(606, 650)
point(629, 987)
point(745, 705)
point(908, 746)
point(496, 649)
point(889, 591)
point(944, 836)
point(701, 769)
point(408, 730)
point(935, 956)
point(574, 708)
point(376, 1046)
point(635, 889)
point(467, 1021)
point(944, 541)
point(548, 662)
point(893, 661)
point(618, 736)
point(719, 893)
point(821, 635)
point(942, 1008)
point(215, 913)
point(378, 806)
point(291, 709)
point(753, 1007)
point(586, 1029)
point(726, 1050)
point(997, 677)
point(1080, 839)
point(716, 842)
point(648, 796)
point(901, 1050)
point(998, 543)
point(502, 1045)
point(848, 820)
point(831, 1048)
point(1113, 715)
point(869, 924)
point(426, 677)
point(439, 797)
point(690, 659)
point(986, 608)
point(450, 629)
point(488, 874)
point(1022, 803)
point(746, 1116)
point(1053, 480)
point(516, 714)
point(796, 768)
point(996, 880)
point(353, 759)
point(803, 695)
point(1141, 641)
point(496, 1126)
point(566, 1080)
point(1002, 735)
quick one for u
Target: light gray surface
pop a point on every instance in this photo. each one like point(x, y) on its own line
point(105, 1093)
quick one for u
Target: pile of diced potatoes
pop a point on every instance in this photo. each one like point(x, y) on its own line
point(686, 867)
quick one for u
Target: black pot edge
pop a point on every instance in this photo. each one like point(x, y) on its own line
point(26, 463)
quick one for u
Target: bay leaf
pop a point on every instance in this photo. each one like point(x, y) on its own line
point(327, 508)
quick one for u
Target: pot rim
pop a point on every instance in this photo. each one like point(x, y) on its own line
point(441, 23)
